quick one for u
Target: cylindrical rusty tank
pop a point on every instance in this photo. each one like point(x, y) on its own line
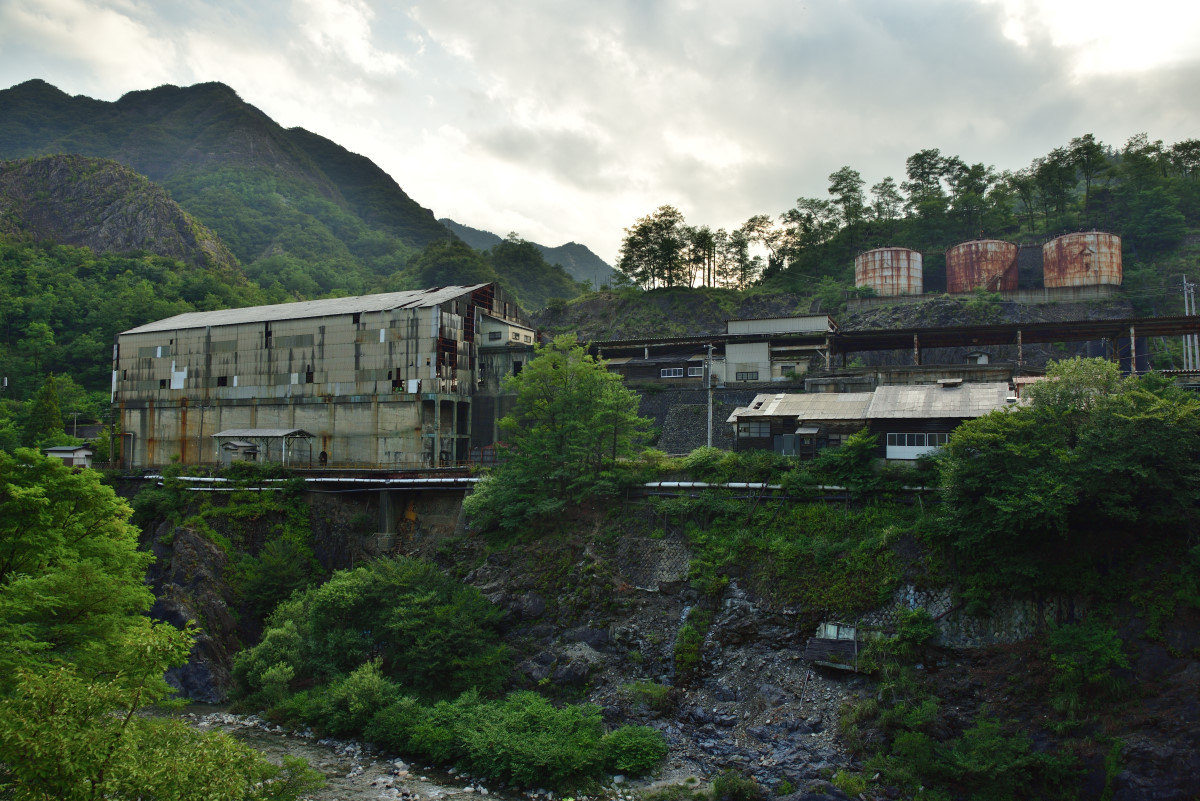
point(1083, 259)
point(981, 264)
point(890, 271)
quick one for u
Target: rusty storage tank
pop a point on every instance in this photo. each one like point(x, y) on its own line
point(981, 264)
point(890, 271)
point(1084, 259)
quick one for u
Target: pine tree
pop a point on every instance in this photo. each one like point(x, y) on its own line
point(45, 417)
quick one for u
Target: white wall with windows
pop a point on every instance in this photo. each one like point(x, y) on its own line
point(911, 446)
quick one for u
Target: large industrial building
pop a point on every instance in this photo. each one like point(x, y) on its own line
point(404, 379)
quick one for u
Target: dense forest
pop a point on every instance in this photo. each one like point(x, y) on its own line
point(1145, 191)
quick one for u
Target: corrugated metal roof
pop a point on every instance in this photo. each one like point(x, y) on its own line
point(932, 401)
point(413, 299)
point(809, 406)
point(261, 433)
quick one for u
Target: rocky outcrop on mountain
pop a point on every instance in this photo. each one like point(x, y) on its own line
point(102, 205)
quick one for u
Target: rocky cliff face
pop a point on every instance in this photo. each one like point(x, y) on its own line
point(102, 205)
point(594, 614)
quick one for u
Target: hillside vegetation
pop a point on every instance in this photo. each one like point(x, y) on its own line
point(579, 262)
point(294, 207)
point(1145, 191)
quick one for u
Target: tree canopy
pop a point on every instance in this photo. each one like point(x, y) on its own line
point(572, 421)
point(1039, 496)
point(79, 659)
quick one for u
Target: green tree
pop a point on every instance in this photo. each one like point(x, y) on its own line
point(845, 186)
point(652, 252)
point(1091, 160)
point(433, 635)
point(79, 659)
point(452, 263)
point(1038, 496)
point(572, 422)
point(45, 418)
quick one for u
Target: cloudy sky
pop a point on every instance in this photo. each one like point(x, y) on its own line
point(566, 120)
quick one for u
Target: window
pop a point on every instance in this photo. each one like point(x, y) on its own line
point(494, 335)
point(516, 335)
point(749, 375)
point(528, 338)
point(308, 376)
point(516, 368)
point(671, 372)
point(754, 428)
point(787, 369)
point(910, 446)
point(356, 317)
point(222, 381)
point(162, 383)
point(695, 372)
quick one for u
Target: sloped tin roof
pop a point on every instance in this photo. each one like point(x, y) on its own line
point(413, 299)
point(931, 401)
point(808, 406)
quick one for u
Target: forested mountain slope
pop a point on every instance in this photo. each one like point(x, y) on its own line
point(294, 207)
point(578, 260)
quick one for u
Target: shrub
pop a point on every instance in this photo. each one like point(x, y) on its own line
point(1084, 656)
point(688, 645)
point(734, 786)
point(524, 740)
point(705, 463)
point(350, 703)
point(635, 750)
point(280, 647)
point(432, 634)
point(852, 784)
point(658, 697)
point(393, 725)
point(436, 734)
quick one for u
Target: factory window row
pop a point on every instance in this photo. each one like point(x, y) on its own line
point(917, 440)
point(749, 375)
point(670, 372)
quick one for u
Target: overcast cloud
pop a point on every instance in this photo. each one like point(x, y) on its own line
point(565, 121)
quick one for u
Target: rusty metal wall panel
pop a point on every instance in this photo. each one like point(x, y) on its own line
point(985, 263)
point(890, 271)
point(1083, 259)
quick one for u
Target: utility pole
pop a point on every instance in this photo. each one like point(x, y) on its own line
point(1191, 346)
point(708, 386)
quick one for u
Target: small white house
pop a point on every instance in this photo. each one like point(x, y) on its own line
point(71, 455)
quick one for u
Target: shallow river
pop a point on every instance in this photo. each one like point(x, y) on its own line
point(354, 772)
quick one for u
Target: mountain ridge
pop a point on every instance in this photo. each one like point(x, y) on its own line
point(578, 260)
point(295, 208)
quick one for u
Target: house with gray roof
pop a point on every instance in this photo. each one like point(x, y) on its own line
point(909, 420)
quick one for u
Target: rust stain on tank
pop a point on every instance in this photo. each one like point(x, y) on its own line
point(1085, 259)
point(890, 271)
point(981, 264)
